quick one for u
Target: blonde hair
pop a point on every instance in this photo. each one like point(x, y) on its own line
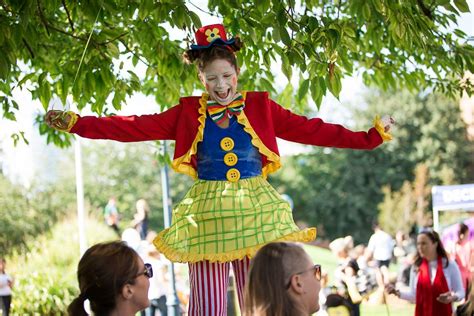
point(142, 205)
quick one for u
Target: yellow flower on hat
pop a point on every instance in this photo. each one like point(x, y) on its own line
point(212, 34)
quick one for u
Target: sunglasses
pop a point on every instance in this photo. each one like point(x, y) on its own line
point(148, 272)
point(316, 272)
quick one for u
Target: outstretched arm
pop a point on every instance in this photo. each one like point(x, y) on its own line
point(121, 128)
point(315, 131)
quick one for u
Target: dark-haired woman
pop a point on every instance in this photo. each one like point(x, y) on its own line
point(114, 280)
point(435, 281)
point(226, 139)
point(282, 281)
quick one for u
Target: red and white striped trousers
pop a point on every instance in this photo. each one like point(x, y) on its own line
point(208, 286)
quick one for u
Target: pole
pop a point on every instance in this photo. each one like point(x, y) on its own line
point(80, 196)
point(172, 300)
point(436, 219)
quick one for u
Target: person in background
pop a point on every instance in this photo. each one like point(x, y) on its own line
point(159, 282)
point(380, 248)
point(435, 281)
point(463, 254)
point(140, 219)
point(111, 215)
point(113, 279)
point(346, 273)
point(467, 309)
point(6, 285)
point(282, 281)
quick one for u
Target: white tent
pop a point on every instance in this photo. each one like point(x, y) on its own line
point(450, 198)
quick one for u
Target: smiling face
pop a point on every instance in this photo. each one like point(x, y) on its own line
point(220, 79)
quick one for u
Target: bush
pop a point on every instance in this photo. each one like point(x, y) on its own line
point(45, 277)
point(24, 214)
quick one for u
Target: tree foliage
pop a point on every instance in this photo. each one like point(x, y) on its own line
point(128, 172)
point(26, 214)
point(409, 206)
point(393, 43)
point(341, 191)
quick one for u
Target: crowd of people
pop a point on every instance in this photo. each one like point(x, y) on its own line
point(434, 278)
point(283, 280)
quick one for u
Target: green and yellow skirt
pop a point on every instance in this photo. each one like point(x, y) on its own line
point(221, 221)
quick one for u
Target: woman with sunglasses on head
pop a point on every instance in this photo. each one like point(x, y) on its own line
point(282, 281)
point(435, 281)
point(114, 279)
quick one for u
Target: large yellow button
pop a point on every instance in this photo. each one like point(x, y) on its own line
point(230, 159)
point(227, 143)
point(233, 175)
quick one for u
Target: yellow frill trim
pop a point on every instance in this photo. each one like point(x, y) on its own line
point(73, 121)
point(381, 129)
point(274, 160)
point(173, 255)
point(181, 164)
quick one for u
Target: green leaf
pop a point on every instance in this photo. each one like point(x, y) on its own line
point(113, 50)
point(276, 34)
point(4, 68)
point(303, 89)
point(366, 11)
point(45, 94)
point(195, 18)
point(25, 78)
point(285, 37)
point(334, 83)
point(462, 5)
point(286, 67)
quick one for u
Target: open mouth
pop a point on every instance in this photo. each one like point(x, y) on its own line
point(222, 95)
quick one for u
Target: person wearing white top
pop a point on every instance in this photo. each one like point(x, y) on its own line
point(380, 248)
point(441, 286)
point(6, 284)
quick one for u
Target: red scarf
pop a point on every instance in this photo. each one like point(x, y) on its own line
point(426, 293)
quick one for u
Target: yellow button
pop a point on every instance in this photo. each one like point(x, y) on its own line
point(227, 143)
point(233, 175)
point(230, 159)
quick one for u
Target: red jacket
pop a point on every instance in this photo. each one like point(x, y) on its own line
point(262, 118)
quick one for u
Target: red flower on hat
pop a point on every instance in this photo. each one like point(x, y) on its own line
point(212, 34)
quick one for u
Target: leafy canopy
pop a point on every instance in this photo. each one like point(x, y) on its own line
point(393, 43)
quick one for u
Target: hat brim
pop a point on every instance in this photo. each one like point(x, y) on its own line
point(217, 41)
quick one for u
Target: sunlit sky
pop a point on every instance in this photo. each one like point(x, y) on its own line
point(23, 162)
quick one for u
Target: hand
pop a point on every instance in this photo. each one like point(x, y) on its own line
point(446, 298)
point(387, 122)
point(390, 289)
point(57, 119)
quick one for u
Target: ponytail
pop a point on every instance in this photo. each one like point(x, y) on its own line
point(76, 308)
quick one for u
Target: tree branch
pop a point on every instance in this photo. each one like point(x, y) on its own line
point(43, 20)
point(68, 15)
point(114, 39)
point(424, 9)
point(134, 54)
point(29, 48)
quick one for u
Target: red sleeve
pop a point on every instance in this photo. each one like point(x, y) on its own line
point(129, 128)
point(297, 128)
